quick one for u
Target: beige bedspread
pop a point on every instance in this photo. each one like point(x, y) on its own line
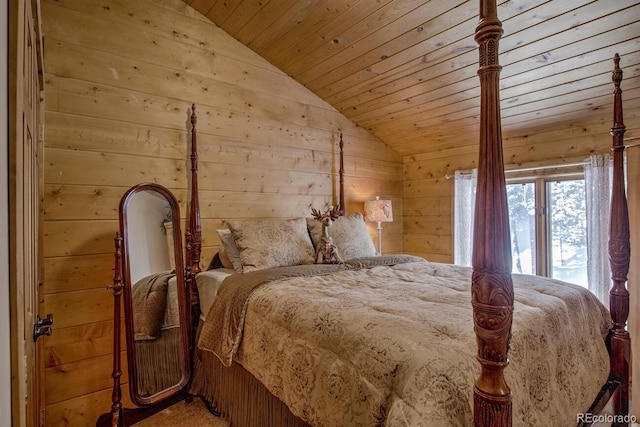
point(154, 305)
point(394, 346)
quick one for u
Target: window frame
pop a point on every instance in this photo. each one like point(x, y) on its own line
point(541, 178)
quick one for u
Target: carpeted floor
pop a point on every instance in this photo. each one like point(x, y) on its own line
point(196, 414)
point(184, 414)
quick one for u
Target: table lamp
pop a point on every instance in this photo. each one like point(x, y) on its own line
point(378, 211)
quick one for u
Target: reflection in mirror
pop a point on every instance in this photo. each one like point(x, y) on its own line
point(148, 215)
point(155, 296)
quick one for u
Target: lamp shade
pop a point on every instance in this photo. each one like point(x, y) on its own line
point(378, 211)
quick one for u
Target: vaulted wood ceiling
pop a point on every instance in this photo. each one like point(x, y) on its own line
point(406, 69)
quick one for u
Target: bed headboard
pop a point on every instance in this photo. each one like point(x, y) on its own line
point(193, 233)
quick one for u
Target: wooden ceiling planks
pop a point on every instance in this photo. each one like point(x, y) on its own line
point(406, 69)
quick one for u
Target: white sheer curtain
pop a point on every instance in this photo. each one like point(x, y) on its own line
point(464, 207)
point(597, 177)
point(597, 174)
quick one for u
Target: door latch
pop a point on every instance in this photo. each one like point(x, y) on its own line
point(42, 326)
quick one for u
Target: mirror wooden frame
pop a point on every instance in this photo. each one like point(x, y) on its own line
point(147, 406)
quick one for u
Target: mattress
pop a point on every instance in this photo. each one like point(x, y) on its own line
point(208, 283)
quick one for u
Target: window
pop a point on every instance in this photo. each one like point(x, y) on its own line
point(559, 221)
point(549, 227)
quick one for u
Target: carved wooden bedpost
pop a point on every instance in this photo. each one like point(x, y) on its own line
point(491, 286)
point(194, 215)
point(193, 236)
point(341, 205)
point(619, 257)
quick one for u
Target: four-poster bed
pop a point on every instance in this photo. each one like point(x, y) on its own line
point(493, 299)
point(491, 396)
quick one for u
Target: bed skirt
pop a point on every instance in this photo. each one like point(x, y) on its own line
point(237, 395)
point(160, 362)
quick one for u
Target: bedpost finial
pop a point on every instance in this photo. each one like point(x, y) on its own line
point(194, 119)
point(616, 76)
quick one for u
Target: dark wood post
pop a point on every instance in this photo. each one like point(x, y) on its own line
point(619, 257)
point(116, 396)
point(193, 236)
point(491, 286)
point(115, 417)
point(341, 172)
point(194, 215)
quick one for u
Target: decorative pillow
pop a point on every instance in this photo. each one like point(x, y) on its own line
point(349, 234)
point(272, 243)
point(224, 257)
point(231, 248)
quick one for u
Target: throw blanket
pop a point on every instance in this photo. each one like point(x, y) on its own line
point(394, 346)
point(149, 299)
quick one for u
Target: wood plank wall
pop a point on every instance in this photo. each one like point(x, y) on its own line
point(428, 182)
point(120, 79)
